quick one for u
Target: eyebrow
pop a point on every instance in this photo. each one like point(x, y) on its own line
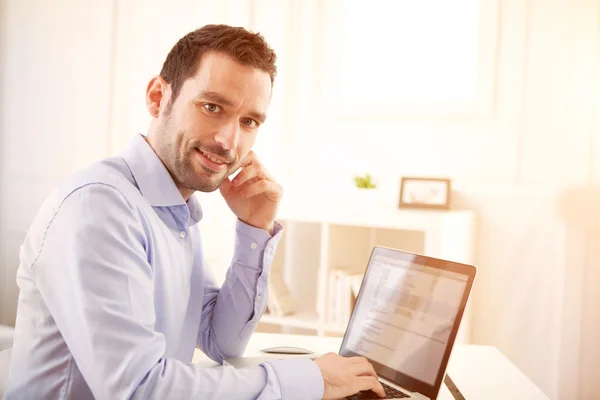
point(220, 99)
point(215, 97)
point(260, 117)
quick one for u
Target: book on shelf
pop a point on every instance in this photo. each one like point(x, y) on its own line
point(342, 289)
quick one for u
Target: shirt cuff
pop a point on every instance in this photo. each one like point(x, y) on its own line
point(252, 243)
point(299, 378)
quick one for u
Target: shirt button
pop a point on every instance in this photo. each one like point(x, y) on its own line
point(182, 234)
point(269, 250)
point(258, 298)
point(254, 246)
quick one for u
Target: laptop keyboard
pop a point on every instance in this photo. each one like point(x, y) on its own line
point(390, 393)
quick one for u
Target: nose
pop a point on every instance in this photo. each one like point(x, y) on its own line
point(229, 135)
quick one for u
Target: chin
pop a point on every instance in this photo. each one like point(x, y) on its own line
point(196, 177)
point(206, 189)
point(206, 185)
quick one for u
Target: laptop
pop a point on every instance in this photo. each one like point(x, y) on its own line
point(405, 321)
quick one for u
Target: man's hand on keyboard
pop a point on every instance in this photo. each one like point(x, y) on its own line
point(344, 376)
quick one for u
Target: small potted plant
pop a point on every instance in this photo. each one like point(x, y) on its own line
point(365, 182)
point(365, 196)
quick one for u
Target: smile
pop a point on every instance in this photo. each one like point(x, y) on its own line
point(210, 162)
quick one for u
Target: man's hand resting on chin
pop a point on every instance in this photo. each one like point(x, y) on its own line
point(253, 195)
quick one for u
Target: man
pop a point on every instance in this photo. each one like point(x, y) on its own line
point(114, 293)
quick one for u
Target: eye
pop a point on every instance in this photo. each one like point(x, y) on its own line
point(249, 122)
point(212, 108)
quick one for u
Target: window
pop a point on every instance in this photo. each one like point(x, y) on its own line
point(405, 56)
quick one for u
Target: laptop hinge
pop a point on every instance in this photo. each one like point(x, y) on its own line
point(453, 389)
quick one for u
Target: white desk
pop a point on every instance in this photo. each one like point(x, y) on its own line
point(480, 372)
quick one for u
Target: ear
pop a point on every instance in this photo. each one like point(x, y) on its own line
point(156, 95)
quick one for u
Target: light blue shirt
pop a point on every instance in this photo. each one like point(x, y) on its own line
point(115, 296)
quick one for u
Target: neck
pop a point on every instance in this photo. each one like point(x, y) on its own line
point(186, 192)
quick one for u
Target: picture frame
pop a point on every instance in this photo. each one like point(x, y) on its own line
point(425, 193)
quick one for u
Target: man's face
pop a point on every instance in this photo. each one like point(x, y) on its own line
point(203, 136)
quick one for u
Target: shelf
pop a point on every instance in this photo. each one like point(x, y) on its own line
point(323, 236)
point(380, 216)
point(306, 321)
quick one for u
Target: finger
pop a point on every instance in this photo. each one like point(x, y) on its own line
point(371, 383)
point(246, 173)
point(364, 369)
point(270, 189)
point(225, 187)
point(249, 159)
point(253, 171)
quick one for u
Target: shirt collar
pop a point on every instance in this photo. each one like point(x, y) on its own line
point(153, 178)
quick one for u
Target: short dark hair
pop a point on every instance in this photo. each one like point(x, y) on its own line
point(238, 43)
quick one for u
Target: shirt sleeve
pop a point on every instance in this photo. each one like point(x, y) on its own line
point(294, 378)
point(92, 271)
point(230, 314)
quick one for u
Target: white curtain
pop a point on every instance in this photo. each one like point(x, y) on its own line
point(580, 329)
point(533, 298)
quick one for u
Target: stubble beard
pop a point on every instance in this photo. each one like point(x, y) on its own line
point(179, 160)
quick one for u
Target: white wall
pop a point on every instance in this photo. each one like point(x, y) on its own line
point(539, 131)
point(3, 259)
point(56, 88)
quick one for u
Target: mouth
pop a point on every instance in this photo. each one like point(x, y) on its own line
point(210, 161)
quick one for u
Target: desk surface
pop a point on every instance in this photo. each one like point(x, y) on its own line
point(480, 372)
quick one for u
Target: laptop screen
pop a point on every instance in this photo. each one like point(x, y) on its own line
point(405, 318)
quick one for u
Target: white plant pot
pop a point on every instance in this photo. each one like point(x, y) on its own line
point(365, 199)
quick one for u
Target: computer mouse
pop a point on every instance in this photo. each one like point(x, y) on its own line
point(286, 350)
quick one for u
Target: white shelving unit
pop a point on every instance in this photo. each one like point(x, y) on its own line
point(319, 237)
